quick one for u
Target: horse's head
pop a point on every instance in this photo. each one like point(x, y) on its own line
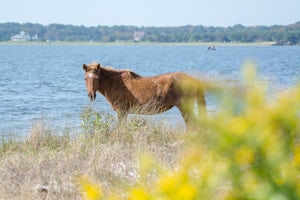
point(91, 77)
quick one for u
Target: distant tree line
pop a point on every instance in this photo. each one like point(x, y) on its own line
point(278, 34)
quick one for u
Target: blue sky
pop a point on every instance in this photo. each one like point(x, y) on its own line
point(152, 12)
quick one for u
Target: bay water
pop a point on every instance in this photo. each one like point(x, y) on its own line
point(45, 82)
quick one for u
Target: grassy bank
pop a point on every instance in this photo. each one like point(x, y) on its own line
point(249, 149)
point(48, 165)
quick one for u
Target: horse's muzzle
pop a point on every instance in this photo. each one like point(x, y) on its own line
point(92, 96)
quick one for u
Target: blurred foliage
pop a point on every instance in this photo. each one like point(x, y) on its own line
point(255, 153)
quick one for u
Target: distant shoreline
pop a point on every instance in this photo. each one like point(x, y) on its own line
point(141, 43)
point(186, 35)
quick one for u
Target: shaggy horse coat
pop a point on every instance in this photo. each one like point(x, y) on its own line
point(130, 93)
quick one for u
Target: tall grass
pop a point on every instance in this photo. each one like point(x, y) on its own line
point(48, 165)
point(249, 149)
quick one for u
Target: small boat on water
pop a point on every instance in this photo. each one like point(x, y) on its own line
point(211, 48)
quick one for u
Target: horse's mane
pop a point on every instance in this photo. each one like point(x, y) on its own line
point(112, 70)
point(133, 74)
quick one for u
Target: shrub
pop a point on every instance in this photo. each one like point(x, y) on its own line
point(92, 121)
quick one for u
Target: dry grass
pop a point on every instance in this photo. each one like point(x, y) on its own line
point(47, 166)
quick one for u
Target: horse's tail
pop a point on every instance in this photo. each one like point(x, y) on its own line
point(203, 87)
point(200, 99)
point(192, 91)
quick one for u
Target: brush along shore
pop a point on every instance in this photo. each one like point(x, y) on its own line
point(48, 165)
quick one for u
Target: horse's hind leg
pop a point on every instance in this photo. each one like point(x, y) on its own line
point(201, 103)
point(186, 110)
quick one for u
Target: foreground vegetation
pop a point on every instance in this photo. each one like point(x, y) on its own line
point(46, 165)
point(248, 149)
point(277, 34)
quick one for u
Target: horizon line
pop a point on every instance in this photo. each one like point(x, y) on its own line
point(140, 26)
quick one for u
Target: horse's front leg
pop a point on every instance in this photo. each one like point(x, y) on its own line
point(122, 117)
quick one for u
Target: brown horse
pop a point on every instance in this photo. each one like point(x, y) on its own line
point(129, 93)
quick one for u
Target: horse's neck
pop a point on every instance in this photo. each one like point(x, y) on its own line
point(108, 79)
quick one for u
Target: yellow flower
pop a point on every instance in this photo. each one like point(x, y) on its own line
point(89, 190)
point(186, 192)
point(238, 125)
point(147, 164)
point(297, 155)
point(177, 187)
point(244, 156)
point(138, 194)
point(249, 182)
point(168, 183)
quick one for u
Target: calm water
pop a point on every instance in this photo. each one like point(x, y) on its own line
point(45, 82)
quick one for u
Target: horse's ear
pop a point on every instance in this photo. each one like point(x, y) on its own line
point(98, 67)
point(84, 67)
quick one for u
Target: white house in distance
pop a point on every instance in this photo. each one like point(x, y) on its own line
point(138, 35)
point(23, 37)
